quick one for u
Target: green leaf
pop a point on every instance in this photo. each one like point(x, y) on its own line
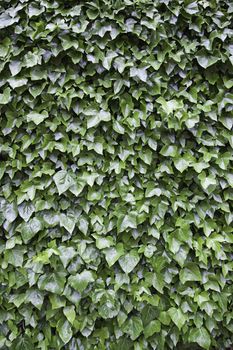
point(146, 156)
point(69, 312)
point(97, 118)
point(181, 164)
point(141, 73)
point(110, 305)
point(83, 225)
point(63, 181)
point(153, 327)
point(64, 330)
point(5, 97)
point(26, 209)
point(4, 47)
point(17, 82)
point(118, 127)
point(68, 222)
point(190, 273)
point(206, 61)
point(169, 151)
point(104, 242)
point(129, 261)
point(30, 229)
point(81, 280)
point(152, 190)
point(23, 343)
point(126, 221)
point(177, 316)
point(52, 282)
point(133, 327)
point(10, 212)
point(207, 181)
point(37, 118)
point(66, 254)
point(113, 254)
point(36, 297)
point(201, 337)
point(15, 67)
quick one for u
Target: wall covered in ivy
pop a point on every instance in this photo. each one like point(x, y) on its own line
point(116, 174)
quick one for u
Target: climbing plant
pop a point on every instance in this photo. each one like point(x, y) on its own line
point(116, 174)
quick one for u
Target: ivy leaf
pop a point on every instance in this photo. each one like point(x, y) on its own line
point(169, 151)
point(63, 181)
point(153, 327)
point(133, 327)
point(69, 312)
point(23, 343)
point(10, 212)
point(206, 61)
point(5, 97)
point(30, 229)
point(66, 254)
point(26, 210)
point(52, 282)
point(81, 280)
point(201, 337)
point(15, 67)
point(37, 118)
point(36, 297)
point(97, 118)
point(177, 316)
point(113, 254)
point(181, 164)
point(126, 221)
point(129, 261)
point(190, 273)
point(141, 73)
point(104, 242)
point(68, 222)
point(64, 330)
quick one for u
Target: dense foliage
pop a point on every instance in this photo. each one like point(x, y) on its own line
point(116, 174)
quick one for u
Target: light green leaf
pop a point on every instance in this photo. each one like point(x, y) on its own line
point(190, 273)
point(5, 97)
point(63, 181)
point(152, 190)
point(181, 164)
point(26, 209)
point(133, 327)
point(201, 337)
point(113, 254)
point(141, 73)
point(104, 242)
point(68, 222)
point(66, 254)
point(37, 118)
point(64, 330)
point(10, 212)
point(177, 316)
point(36, 297)
point(169, 151)
point(52, 282)
point(81, 280)
point(69, 312)
point(153, 327)
point(15, 67)
point(97, 118)
point(206, 61)
point(30, 229)
point(126, 221)
point(207, 181)
point(129, 261)
point(17, 82)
